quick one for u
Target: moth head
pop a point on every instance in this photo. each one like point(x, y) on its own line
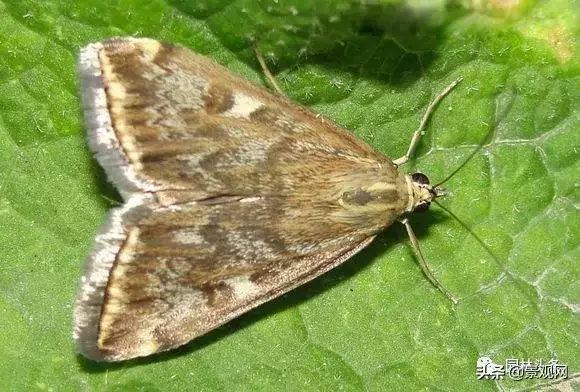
point(421, 192)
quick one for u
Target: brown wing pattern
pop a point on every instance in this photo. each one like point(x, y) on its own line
point(185, 123)
point(232, 197)
point(183, 271)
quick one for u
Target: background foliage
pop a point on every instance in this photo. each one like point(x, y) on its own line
point(374, 323)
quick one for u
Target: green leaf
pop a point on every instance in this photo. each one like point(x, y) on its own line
point(374, 323)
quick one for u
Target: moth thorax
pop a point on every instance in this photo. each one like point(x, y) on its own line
point(421, 193)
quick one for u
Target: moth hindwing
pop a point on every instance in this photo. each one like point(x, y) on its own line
point(233, 196)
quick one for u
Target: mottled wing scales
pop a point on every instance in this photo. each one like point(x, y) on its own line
point(173, 281)
point(233, 196)
point(185, 123)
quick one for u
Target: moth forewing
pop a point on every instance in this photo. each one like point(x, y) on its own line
point(233, 196)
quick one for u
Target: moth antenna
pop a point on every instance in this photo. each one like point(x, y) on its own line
point(265, 69)
point(477, 149)
point(423, 263)
point(419, 132)
point(495, 259)
point(475, 236)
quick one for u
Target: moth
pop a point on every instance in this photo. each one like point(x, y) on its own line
point(233, 195)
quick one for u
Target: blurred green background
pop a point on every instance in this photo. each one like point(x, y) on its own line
point(374, 323)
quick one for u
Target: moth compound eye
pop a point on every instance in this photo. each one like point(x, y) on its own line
point(422, 207)
point(420, 178)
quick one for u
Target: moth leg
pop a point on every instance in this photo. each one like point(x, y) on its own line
point(423, 263)
point(421, 130)
point(266, 71)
